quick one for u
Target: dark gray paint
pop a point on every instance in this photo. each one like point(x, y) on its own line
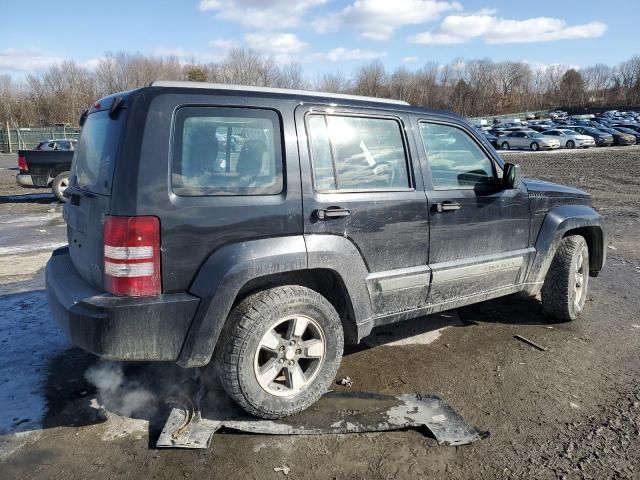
point(396, 257)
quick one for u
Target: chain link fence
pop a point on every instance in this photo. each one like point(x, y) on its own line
point(13, 139)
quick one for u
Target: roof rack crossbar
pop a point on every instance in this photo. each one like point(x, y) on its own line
point(286, 91)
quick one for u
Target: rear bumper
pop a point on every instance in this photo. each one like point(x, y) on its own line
point(116, 328)
point(24, 180)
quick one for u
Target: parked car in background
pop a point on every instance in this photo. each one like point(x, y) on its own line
point(493, 139)
point(602, 139)
point(619, 138)
point(629, 131)
point(570, 139)
point(45, 168)
point(632, 126)
point(530, 140)
point(541, 127)
point(57, 145)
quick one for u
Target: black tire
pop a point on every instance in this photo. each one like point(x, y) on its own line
point(59, 185)
point(246, 327)
point(505, 146)
point(535, 146)
point(571, 144)
point(561, 298)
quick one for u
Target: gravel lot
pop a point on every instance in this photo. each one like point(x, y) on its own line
point(572, 411)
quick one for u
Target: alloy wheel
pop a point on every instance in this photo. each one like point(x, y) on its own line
point(289, 355)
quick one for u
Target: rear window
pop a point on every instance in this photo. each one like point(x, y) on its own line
point(95, 153)
point(226, 151)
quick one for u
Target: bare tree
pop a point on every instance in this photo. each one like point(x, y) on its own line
point(371, 80)
point(470, 87)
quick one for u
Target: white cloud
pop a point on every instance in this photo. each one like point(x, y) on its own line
point(223, 44)
point(410, 59)
point(543, 67)
point(282, 47)
point(340, 54)
point(23, 60)
point(378, 19)
point(263, 14)
point(275, 43)
point(92, 63)
point(288, 47)
point(485, 25)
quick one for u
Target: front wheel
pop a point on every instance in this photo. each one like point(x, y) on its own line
point(59, 185)
point(535, 146)
point(505, 146)
point(281, 350)
point(564, 291)
point(571, 144)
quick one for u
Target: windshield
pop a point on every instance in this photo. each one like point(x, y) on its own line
point(95, 155)
point(535, 135)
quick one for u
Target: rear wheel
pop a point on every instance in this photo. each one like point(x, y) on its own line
point(565, 288)
point(571, 144)
point(59, 185)
point(535, 146)
point(505, 146)
point(281, 350)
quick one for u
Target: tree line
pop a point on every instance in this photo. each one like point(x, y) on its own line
point(63, 91)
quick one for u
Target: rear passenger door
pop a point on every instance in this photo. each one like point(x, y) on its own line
point(479, 230)
point(358, 183)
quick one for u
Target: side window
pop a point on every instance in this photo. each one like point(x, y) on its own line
point(454, 158)
point(226, 151)
point(357, 153)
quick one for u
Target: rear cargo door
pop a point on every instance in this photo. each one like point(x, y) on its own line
point(90, 192)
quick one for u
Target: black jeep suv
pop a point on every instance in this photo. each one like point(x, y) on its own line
point(264, 228)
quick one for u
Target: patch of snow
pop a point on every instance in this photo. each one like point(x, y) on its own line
point(118, 426)
point(419, 331)
point(34, 247)
point(25, 220)
point(28, 340)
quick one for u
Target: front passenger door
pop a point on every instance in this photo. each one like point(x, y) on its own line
point(479, 231)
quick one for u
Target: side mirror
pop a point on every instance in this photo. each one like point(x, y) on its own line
point(512, 176)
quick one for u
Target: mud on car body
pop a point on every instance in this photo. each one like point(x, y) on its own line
point(318, 218)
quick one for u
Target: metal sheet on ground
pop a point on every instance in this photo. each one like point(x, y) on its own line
point(192, 423)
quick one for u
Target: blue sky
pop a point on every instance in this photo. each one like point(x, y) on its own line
point(322, 35)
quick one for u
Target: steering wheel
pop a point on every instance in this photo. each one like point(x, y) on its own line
point(382, 167)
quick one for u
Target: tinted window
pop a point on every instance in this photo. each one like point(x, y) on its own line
point(95, 155)
point(454, 157)
point(227, 151)
point(357, 153)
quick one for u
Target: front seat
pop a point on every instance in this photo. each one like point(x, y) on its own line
point(203, 151)
point(251, 158)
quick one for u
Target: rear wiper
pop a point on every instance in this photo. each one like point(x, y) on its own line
point(116, 105)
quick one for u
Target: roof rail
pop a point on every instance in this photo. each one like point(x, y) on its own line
point(286, 91)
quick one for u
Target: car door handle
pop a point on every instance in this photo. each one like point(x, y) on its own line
point(331, 212)
point(448, 206)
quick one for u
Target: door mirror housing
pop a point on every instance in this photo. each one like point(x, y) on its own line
point(512, 176)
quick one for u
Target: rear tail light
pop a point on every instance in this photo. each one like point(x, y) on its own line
point(132, 256)
point(22, 163)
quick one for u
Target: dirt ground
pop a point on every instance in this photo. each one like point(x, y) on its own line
point(572, 411)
